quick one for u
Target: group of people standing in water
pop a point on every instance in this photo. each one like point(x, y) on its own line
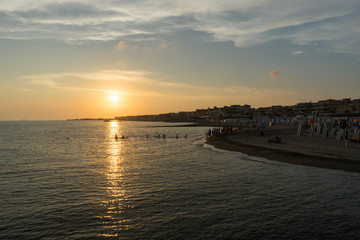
point(122, 137)
point(158, 135)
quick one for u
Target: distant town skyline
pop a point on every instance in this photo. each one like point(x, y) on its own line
point(323, 108)
point(71, 59)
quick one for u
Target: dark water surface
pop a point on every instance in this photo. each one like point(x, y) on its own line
point(91, 186)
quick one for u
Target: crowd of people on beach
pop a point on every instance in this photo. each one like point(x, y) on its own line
point(339, 128)
point(211, 133)
point(346, 129)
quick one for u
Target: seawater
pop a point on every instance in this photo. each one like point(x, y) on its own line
point(73, 180)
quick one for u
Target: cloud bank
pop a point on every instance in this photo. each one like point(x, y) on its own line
point(246, 23)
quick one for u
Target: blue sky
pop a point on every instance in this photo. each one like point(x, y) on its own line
point(63, 59)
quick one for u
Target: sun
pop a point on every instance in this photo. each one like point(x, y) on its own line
point(114, 98)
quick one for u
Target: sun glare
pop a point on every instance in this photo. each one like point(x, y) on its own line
point(114, 98)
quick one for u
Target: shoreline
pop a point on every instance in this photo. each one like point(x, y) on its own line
point(299, 150)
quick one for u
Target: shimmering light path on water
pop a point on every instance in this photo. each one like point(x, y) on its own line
point(73, 180)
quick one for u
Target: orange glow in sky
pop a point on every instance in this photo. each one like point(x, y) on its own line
point(149, 59)
point(114, 98)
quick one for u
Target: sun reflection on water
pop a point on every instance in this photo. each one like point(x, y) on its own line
point(113, 221)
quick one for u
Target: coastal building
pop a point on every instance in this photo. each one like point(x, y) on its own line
point(274, 111)
point(259, 112)
point(356, 104)
point(288, 111)
point(345, 106)
point(303, 108)
point(348, 108)
point(200, 113)
point(215, 112)
point(330, 107)
point(238, 111)
point(327, 106)
point(184, 115)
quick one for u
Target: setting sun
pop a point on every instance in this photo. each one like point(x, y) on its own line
point(114, 98)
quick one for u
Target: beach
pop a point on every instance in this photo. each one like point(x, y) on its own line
point(302, 150)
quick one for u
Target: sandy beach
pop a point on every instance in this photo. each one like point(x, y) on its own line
point(303, 150)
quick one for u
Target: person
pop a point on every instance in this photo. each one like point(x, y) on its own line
point(116, 137)
point(177, 136)
point(275, 140)
point(186, 136)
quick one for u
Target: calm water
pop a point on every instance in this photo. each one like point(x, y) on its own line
point(93, 187)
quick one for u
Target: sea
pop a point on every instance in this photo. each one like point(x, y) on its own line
point(74, 180)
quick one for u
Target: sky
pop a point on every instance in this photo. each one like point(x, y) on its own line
point(101, 59)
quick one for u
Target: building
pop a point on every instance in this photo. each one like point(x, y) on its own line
point(237, 111)
point(303, 108)
point(327, 106)
point(356, 105)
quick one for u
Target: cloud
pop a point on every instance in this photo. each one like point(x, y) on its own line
point(143, 84)
point(274, 74)
point(120, 46)
point(163, 44)
point(24, 90)
point(297, 53)
point(246, 23)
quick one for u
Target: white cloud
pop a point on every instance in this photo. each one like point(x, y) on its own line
point(246, 23)
point(297, 53)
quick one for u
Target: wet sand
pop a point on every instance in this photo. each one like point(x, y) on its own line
point(302, 150)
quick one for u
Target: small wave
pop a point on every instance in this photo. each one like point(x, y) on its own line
point(244, 156)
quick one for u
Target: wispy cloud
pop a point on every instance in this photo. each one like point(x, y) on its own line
point(141, 84)
point(246, 23)
point(297, 53)
point(274, 74)
point(120, 46)
point(165, 44)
